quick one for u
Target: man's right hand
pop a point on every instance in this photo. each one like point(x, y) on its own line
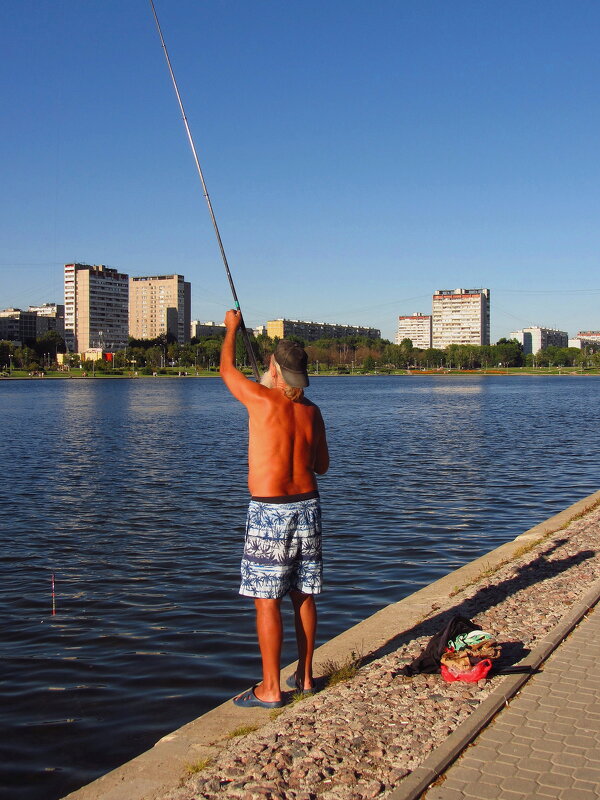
point(233, 319)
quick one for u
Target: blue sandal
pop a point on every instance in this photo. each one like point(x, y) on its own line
point(250, 700)
point(294, 683)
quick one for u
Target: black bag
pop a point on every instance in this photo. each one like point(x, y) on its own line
point(429, 660)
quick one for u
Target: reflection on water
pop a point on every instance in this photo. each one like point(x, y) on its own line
point(133, 494)
point(475, 387)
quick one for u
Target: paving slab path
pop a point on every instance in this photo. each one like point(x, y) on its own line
point(546, 743)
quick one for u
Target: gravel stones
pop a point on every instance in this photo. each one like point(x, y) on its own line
point(358, 739)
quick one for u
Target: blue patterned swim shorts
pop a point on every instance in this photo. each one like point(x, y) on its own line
point(282, 550)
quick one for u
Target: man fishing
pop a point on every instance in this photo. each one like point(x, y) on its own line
point(282, 551)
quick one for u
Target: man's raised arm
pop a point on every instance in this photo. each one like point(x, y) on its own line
point(237, 383)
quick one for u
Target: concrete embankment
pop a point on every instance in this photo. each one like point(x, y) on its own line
point(363, 737)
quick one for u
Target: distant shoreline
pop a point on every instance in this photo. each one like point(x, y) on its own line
point(400, 373)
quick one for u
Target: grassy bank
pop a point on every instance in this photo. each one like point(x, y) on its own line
point(174, 372)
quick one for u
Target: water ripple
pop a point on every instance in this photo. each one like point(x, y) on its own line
point(133, 494)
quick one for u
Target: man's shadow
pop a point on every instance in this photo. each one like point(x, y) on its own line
point(487, 597)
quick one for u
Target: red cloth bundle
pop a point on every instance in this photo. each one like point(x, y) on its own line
point(473, 675)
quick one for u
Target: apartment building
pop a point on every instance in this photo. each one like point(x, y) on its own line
point(460, 316)
point(160, 304)
point(96, 307)
point(18, 326)
point(536, 338)
point(591, 345)
point(311, 331)
point(417, 328)
point(50, 317)
point(590, 336)
point(209, 328)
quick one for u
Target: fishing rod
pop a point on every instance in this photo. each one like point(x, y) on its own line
point(243, 329)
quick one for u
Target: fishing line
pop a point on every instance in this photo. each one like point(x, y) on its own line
point(243, 329)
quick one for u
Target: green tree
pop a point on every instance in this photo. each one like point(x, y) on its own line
point(6, 350)
point(212, 349)
point(26, 358)
point(487, 356)
point(509, 353)
point(154, 357)
point(391, 355)
point(368, 364)
point(265, 348)
point(187, 355)
point(453, 359)
point(121, 360)
point(432, 358)
point(50, 343)
point(173, 354)
point(558, 356)
point(102, 366)
point(137, 355)
point(241, 352)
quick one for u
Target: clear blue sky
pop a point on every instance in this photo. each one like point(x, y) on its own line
point(359, 155)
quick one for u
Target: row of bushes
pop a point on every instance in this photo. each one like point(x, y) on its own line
point(349, 354)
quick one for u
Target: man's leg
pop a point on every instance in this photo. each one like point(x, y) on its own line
point(305, 619)
point(270, 634)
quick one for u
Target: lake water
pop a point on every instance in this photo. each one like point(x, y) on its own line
point(132, 492)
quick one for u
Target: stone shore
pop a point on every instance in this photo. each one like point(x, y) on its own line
point(359, 738)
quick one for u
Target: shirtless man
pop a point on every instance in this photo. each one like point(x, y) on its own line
point(282, 552)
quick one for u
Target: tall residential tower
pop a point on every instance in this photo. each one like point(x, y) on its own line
point(96, 304)
point(160, 304)
point(460, 316)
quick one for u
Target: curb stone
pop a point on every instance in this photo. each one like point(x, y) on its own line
point(413, 786)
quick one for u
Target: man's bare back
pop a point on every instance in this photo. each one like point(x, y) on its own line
point(287, 443)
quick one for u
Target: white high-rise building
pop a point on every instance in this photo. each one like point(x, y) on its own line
point(96, 308)
point(417, 328)
point(460, 316)
point(535, 338)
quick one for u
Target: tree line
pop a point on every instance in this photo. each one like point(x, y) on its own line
point(350, 354)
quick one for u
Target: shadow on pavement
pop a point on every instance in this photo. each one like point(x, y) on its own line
point(540, 569)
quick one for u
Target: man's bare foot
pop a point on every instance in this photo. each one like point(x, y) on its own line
point(265, 696)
